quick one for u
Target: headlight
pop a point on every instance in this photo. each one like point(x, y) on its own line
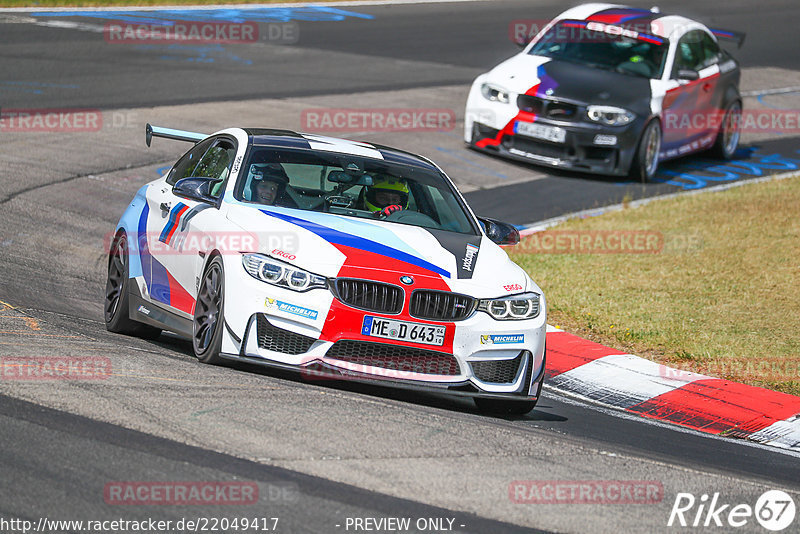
point(609, 115)
point(494, 93)
point(277, 273)
point(513, 308)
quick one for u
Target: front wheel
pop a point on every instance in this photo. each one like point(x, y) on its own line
point(729, 132)
point(504, 407)
point(208, 319)
point(645, 161)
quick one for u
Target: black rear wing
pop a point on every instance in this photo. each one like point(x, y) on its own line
point(169, 133)
point(729, 35)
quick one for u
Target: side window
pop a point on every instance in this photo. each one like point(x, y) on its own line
point(690, 53)
point(711, 51)
point(216, 161)
point(184, 167)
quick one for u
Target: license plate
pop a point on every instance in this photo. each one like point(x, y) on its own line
point(553, 134)
point(403, 331)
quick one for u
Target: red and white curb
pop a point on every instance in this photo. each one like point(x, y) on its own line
point(635, 385)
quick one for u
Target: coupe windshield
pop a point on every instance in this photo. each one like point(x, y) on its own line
point(352, 186)
point(604, 46)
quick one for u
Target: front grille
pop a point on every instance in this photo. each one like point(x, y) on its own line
point(541, 148)
point(369, 295)
point(497, 371)
point(394, 357)
point(544, 107)
point(440, 305)
point(276, 339)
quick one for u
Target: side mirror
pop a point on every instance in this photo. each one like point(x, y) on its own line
point(688, 74)
point(196, 189)
point(499, 232)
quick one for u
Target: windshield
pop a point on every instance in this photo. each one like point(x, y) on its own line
point(352, 186)
point(604, 46)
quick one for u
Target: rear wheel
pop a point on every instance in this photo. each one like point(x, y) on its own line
point(729, 132)
point(117, 297)
point(645, 162)
point(208, 317)
point(504, 407)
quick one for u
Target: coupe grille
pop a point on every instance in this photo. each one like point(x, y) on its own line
point(271, 337)
point(497, 371)
point(369, 295)
point(441, 305)
point(394, 357)
point(544, 107)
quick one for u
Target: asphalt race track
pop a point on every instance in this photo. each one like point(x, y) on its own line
point(320, 454)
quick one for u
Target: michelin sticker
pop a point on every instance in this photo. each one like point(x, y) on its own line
point(290, 308)
point(502, 339)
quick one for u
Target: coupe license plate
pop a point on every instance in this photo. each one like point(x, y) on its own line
point(403, 331)
point(554, 134)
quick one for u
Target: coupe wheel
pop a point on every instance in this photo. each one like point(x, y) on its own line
point(729, 132)
point(645, 162)
point(115, 309)
point(208, 317)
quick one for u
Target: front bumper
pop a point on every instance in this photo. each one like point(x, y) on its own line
point(578, 152)
point(479, 357)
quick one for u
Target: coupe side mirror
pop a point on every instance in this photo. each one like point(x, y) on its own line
point(499, 232)
point(687, 74)
point(196, 189)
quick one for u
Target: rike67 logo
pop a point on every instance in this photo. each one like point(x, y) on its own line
point(774, 510)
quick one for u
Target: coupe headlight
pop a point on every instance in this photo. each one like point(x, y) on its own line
point(277, 273)
point(494, 93)
point(513, 308)
point(609, 115)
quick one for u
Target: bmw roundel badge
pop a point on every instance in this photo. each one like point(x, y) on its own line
point(407, 280)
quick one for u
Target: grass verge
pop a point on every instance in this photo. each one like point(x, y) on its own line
point(713, 287)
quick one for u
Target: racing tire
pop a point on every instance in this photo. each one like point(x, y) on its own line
point(208, 321)
point(504, 407)
point(115, 308)
point(645, 161)
point(729, 132)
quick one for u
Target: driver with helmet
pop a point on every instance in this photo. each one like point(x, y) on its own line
point(386, 196)
point(267, 182)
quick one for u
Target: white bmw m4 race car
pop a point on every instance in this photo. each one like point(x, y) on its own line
point(613, 90)
point(335, 258)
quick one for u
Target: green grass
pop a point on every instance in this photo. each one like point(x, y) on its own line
point(721, 298)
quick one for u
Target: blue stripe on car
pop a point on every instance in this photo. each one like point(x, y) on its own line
point(337, 237)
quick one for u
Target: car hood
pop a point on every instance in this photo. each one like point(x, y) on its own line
point(542, 76)
point(338, 246)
